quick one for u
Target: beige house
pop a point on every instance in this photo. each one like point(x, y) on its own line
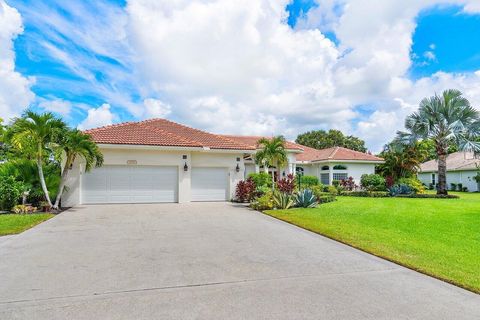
point(162, 161)
point(462, 167)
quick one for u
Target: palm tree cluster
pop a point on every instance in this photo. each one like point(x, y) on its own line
point(44, 138)
point(447, 119)
point(272, 154)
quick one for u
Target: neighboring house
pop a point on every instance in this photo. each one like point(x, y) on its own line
point(461, 168)
point(162, 161)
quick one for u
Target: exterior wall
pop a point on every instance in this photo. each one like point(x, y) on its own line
point(72, 196)
point(354, 170)
point(463, 177)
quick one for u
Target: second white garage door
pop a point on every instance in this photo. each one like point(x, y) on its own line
point(209, 184)
point(130, 184)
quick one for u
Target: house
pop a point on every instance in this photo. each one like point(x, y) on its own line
point(159, 160)
point(461, 169)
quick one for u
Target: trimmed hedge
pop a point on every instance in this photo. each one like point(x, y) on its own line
point(365, 194)
point(325, 197)
point(429, 196)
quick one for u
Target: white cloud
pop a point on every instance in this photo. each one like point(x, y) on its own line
point(155, 108)
point(15, 94)
point(60, 106)
point(97, 117)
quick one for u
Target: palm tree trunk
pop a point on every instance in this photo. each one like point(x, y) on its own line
point(42, 180)
point(442, 174)
point(63, 181)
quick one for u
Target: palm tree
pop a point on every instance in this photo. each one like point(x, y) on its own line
point(446, 119)
point(33, 134)
point(72, 144)
point(402, 161)
point(272, 153)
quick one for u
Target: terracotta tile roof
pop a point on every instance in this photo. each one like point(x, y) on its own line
point(161, 132)
point(252, 141)
point(457, 161)
point(335, 153)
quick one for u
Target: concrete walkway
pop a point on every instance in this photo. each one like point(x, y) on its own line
point(206, 261)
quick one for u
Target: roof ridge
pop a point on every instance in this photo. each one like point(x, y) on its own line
point(158, 130)
point(333, 152)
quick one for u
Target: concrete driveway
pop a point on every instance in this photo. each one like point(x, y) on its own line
point(206, 261)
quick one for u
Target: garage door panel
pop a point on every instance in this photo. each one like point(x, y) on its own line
point(130, 184)
point(209, 184)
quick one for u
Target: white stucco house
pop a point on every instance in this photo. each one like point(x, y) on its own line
point(159, 160)
point(461, 168)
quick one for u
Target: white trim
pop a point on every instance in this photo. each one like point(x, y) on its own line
point(340, 161)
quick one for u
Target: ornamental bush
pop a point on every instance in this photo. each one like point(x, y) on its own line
point(366, 194)
point(261, 179)
point(10, 192)
point(286, 185)
point(373, 182)
point(245, 190)
point(265, 202)
point(414, 184)
point(308, 181)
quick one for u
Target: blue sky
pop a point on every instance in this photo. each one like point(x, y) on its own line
point(97, 62)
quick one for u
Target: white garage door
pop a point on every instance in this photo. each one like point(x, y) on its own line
point(130, 184)
point(209, 184)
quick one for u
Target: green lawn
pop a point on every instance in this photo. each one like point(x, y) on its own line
point(16, 223)
point(439, 237)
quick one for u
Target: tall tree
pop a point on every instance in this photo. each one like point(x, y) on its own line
point(73, 144)
point(272, 153)
point(33, 134)
point(320, 139)
point(446, 119)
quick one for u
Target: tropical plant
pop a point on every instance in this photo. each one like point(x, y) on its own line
point(265, 202)
point(10, 192)
point(33, 135)
point(321, 139)
point(23, 209)
point(245, 190)
point(414, 184)
point(372, 182)
point(460, 186)
point(348, 184)
point(401, 161)
point(73, 144)
point(453, 186)
point(261, 179)
point(308, 181)
point(306, 199)
point(400, 189)
point(282, 200)
point(272, 154)
point(287, 184)
point(448, 119)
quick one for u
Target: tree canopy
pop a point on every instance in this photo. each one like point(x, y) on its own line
point(321, 139)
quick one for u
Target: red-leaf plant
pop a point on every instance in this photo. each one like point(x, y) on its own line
point(348, 184)
point(286, 185)
point(245, 190)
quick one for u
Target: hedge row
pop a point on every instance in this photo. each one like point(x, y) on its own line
point(428, 195)
point(366, 194)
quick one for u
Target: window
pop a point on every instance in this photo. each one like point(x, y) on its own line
point(325, 178)
point(433, 179)
point(340, 167)
point(325, 168)
point(340, 176)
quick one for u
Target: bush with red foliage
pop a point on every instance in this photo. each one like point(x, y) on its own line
point(389, 181)
point(286, 185)
point(348, 184)
point(245, 190)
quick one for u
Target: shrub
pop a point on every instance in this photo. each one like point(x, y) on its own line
point(286, 185)
point(325, 197)
point(332, 190)
point(369, 194)
point(348, 184)
point(400, 189)
point(389, 181)
point(259, 191)
point(429, 196)
point(336, 183)
point(282, 200)
point(245, 190)
point(460, 186)
point(306, 199)
point(10, 192)
point(414, 184)
point(453, 186)
point(23, 209)
point(465, 189)
point(265, 202)
point(308, 181)
point(373, 182)
point(261, 179)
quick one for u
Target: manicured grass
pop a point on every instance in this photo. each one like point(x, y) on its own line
point(16, 223)
point(439, 237)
